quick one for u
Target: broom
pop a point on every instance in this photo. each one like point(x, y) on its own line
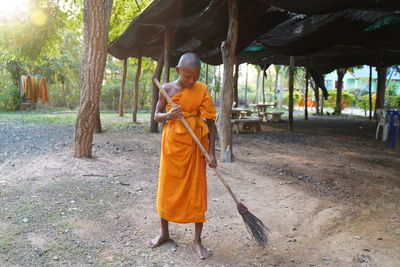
point(254, 225)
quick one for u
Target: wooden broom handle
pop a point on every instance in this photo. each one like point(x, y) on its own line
point(205, 153)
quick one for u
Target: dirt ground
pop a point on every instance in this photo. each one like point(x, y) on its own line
point(328, 192)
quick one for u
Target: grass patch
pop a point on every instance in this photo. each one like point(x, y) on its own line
point(109, 119)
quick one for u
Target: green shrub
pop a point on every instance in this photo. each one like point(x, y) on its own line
point(296, 98)
point(348, 99)
point(9, 99)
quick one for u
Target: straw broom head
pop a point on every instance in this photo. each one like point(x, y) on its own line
point(254, 225)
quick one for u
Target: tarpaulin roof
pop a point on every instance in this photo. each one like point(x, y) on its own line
point(365, 34)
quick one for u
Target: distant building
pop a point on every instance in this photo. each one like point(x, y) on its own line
point(359, 80)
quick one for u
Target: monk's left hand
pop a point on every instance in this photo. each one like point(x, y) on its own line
point(213, 161)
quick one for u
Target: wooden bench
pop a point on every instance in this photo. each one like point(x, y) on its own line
point(247, 125)
point(273, 116)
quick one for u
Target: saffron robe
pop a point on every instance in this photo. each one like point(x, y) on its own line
point(182, 186)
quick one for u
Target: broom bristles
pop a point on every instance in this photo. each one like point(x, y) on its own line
point(254, 226)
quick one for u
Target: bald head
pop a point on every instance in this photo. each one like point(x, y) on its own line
point(189, 60)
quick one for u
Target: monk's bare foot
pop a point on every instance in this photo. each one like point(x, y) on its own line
point(158, 240)
point(201, 250)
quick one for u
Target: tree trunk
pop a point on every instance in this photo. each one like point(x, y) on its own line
point(322, 105)
point(370, 92)
point(340, 74)
point(316, 91)
point(235, 85)
point(291, 83)
point(306, 94)
point(97, 121)
point(136, 91)
point(154, 100)
point(381, 87)
point(245, 88)
point(96, 26)
point(122, 91)
point(228, 50)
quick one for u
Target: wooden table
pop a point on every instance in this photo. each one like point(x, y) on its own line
point(262, 107)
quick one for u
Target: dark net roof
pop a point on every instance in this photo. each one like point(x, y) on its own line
point(327, 34)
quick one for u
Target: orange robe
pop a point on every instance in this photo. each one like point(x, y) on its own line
point(182, 186)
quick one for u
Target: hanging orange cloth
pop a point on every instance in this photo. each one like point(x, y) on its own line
point(182, 186)
point(43, 92)
point(28, 88)
point(35, 87)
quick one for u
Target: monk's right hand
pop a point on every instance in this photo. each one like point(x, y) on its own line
point(174, 113)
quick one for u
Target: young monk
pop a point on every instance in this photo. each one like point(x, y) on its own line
point(182, 187)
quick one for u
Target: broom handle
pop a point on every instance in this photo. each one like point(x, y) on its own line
point(205, 153)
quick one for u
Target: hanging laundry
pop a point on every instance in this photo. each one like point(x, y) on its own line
point(43, 91)
point(35, 83)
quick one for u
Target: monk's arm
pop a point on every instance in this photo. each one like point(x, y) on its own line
point(211, 138)
point(160, 115)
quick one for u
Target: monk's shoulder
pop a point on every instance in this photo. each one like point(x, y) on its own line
point(201, 86)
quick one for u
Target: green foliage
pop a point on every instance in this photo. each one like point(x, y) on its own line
point(296, 97)
point(348, 99)
point(9, 99)
point(393, 101)
point(124, 11)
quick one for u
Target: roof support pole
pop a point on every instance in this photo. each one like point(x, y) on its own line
point(154, 100)
point(306, 93)
point(281, 86)
point(122, 90)
point(136, 90)
point(235, 86)
point(263, 83)
point(228, 50)
point(167, 49)
point(291, 83)
point(370, 92)
point(207, 74)
point(245, 88)
point(381, 87)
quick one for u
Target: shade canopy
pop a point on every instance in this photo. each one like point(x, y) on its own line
point(325, 35)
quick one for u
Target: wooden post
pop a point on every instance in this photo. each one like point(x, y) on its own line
point(235, 85)
point(258, 87)
point(228, 50)
point(306, 93)
point(167, 46)
point(245, 88)
point(381, 87)
point(136, 90)
point(370, 92)
point(122, 91)
point(207, 74)
point(291, 81)
point(263, 83)
point(154, 100)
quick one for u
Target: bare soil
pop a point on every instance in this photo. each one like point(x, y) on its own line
point(329, 193)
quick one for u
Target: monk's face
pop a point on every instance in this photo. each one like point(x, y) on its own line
point(188, 75)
